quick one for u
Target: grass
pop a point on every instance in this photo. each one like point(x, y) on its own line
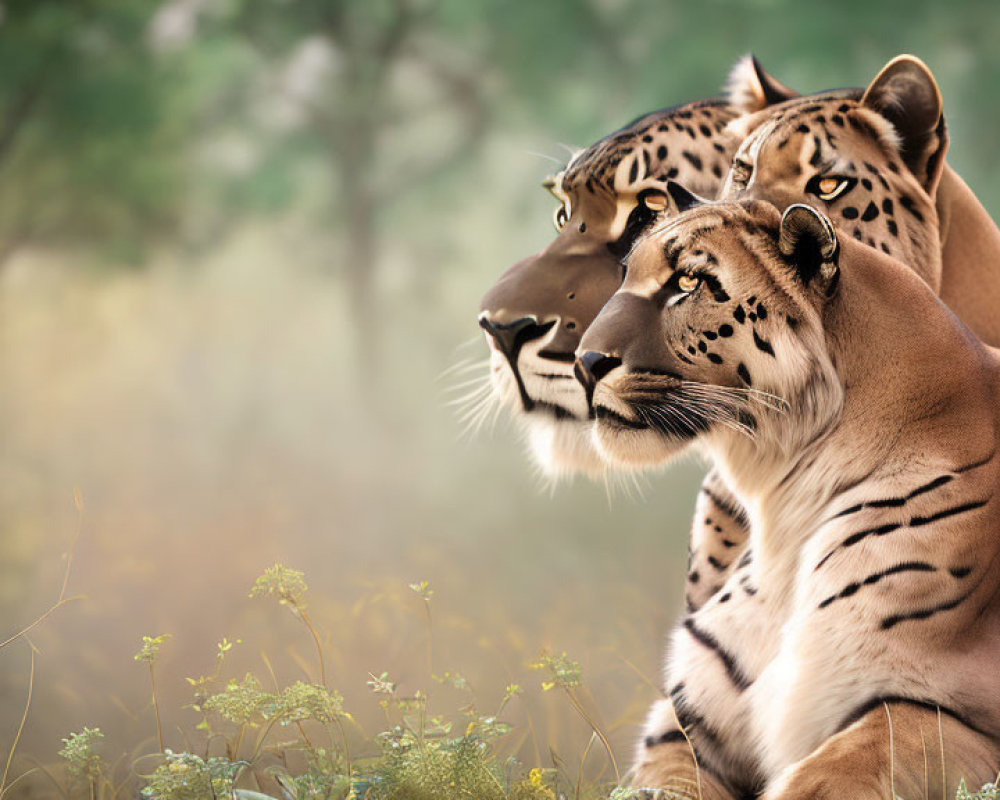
point(259, 739)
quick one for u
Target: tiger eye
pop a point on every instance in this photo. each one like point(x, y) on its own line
point(655, 201)
point(828, 185)
point(687, 283)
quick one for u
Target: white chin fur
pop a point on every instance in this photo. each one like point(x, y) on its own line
point(634, 449)
point(564, 448)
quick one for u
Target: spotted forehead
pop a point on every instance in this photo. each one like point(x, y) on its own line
point(688, 142)
point(819, 118)
point(698, 237)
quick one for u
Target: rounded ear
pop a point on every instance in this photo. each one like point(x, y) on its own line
point(684, 199)
point(809, 242)
point(906, 94)
point(751, 88)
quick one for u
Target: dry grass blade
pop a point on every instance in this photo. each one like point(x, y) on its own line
point(20, 727)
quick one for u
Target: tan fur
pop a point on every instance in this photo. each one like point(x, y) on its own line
point(861, 129)
point(565, 285)
point(875, 521)
point(895, 750)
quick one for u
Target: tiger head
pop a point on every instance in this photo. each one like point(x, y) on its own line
point(715, 333)
point(608, 195)
point(869, 159)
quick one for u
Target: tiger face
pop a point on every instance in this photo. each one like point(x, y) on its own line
point(868, 159)
point(608, 195)
point(715, 332)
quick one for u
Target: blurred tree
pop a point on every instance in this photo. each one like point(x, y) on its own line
point(347, 88)
point(381, 98)
point(87, 151)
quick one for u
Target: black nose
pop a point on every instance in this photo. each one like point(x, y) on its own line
point(592, 366)
point(510, 337)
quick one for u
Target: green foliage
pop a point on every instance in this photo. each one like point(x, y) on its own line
point(82, 762)
point(302, 701)
point(241, 702)
point(564, 671)
point(419, 755)
point(288, 585)
point(150, 649)
point(446, 769)
point(990, 791)
point(183, 776)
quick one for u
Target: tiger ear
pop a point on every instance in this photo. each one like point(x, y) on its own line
point(906, 94)
point(682, 198)
point(809, 242)
point(751, 88)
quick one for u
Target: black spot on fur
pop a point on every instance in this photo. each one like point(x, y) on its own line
point(891, 225)
point(817, 155)
point(744, 374)
point(692, 159)
point(887, 205)
point(867, 184)
point(740, 315)
point(850, 213)
point(725, 597)
point(661, 152)
point(907, 202)
point(665, 738)
point(871, 211)
point(715, 358)
point(725, 331)
point(762, 344)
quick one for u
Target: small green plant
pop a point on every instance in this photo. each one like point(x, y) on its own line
point(991, 791)
point(149, 653)
point(290, 742)
point(566, 674)
point(83, 764)
point(184, 776)
point(289, 586)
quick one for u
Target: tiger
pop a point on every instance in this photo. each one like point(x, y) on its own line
point(534, 315)
point(873, 160)
point(852, 652)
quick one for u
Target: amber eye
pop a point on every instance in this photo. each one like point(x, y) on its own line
point(561, 217)
point(655, 201)
point(830, 187)
point(687, 283)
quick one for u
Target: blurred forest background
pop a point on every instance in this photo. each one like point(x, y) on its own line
point(241, 240)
